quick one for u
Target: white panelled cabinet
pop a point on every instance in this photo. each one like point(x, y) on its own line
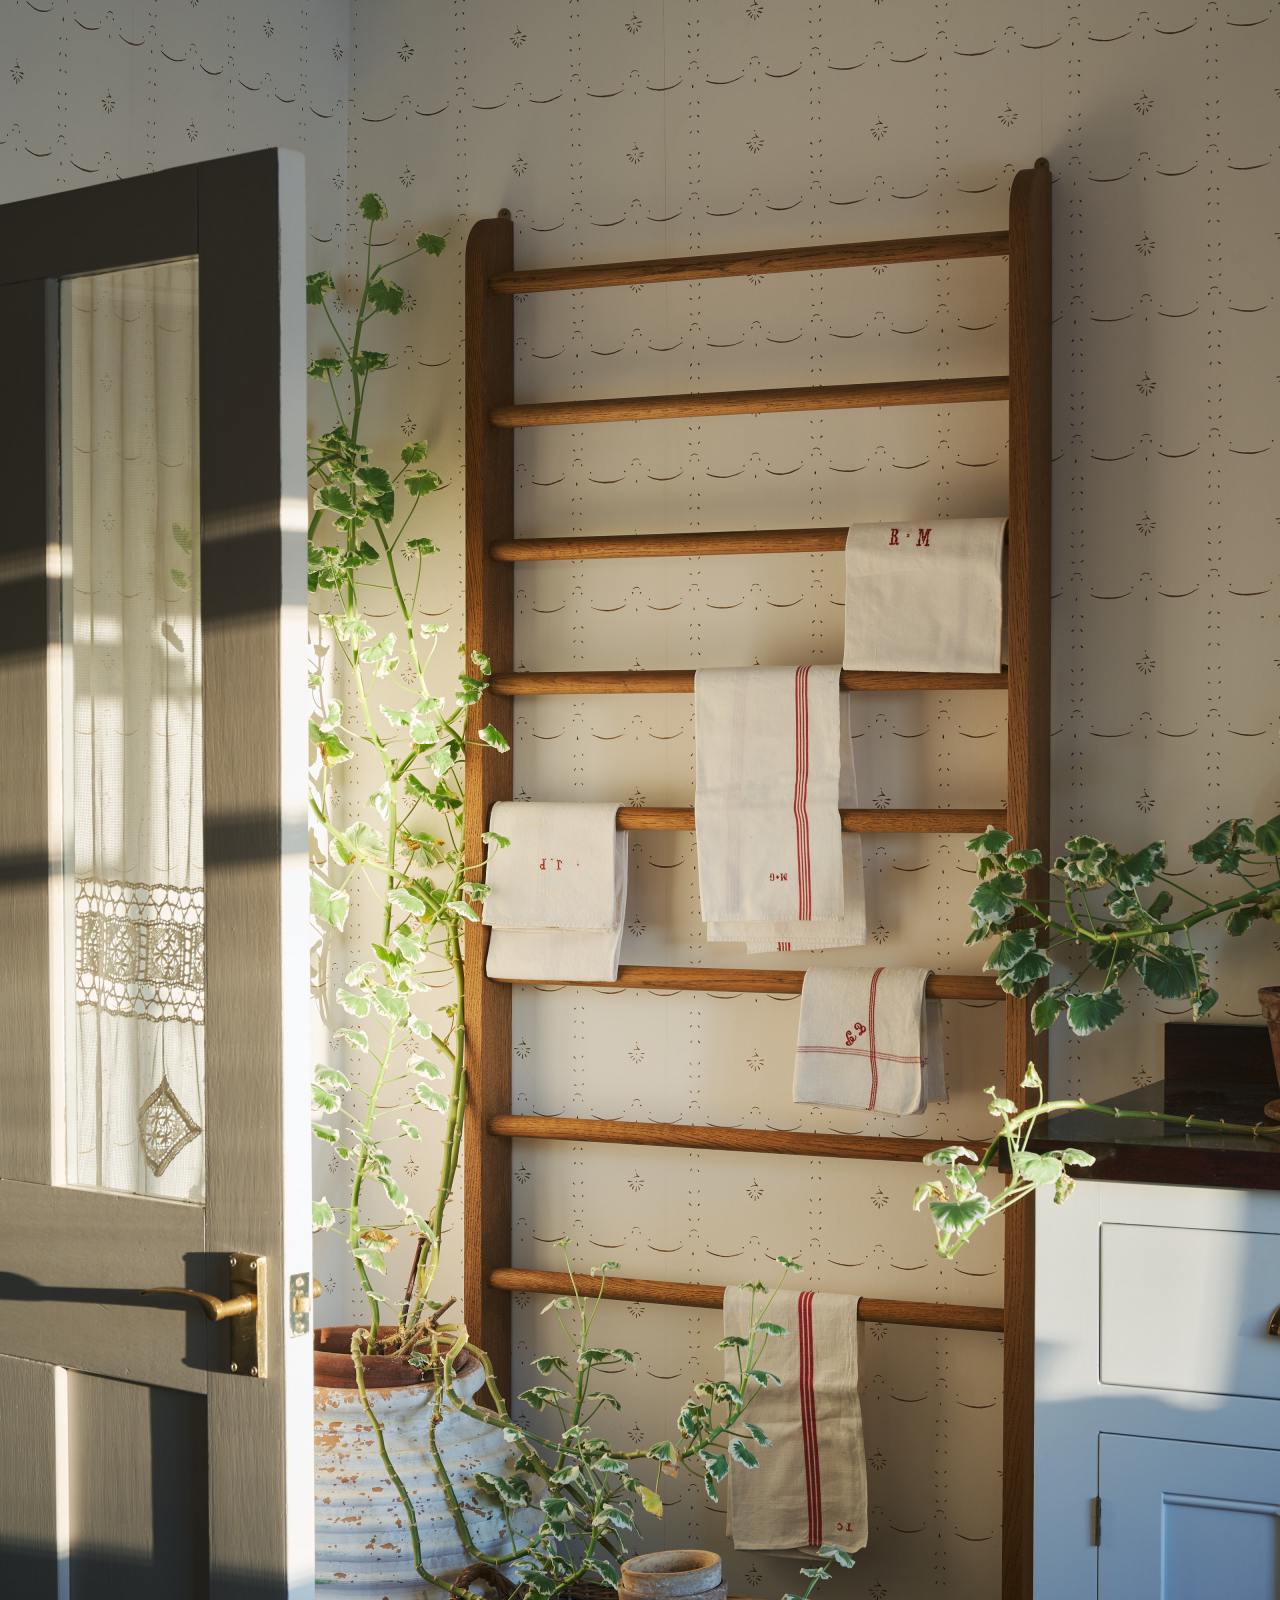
point(1157, 1463)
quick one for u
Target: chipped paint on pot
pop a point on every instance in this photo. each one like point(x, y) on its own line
point(363, 1544)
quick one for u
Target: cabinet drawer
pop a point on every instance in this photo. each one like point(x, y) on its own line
point(1187, 1308)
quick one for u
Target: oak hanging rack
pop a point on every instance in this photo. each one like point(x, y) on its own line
point(744, 402)
point(754, 263)
point(692, 1136)
point(709, 1296)
point(666, 681)
point(754, 980)
point(492, 415)
point(679, 819)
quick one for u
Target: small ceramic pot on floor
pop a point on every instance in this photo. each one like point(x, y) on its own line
point(673, 1575)
point(363, 1546)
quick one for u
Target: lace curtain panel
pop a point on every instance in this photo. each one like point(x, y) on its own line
point(135, 1048)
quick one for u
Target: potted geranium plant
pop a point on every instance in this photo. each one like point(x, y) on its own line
point(1113, 911)
point(416, 1482)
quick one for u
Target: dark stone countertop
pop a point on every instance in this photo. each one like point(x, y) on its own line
point(1160, 1152)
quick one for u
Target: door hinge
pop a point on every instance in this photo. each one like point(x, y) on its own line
point(300, 1303)
point(1095, 1520)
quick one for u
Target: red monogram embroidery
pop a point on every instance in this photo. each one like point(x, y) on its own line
point(852, 1035)
point(557, 863)
point(922, 538)
point(893, 536)
point(777, 877)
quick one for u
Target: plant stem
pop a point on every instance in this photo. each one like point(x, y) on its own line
point(1253, 1130)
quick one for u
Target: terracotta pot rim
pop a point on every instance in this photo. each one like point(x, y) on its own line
point(334, 1368)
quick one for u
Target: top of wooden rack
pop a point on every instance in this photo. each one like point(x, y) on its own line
point(753, 263)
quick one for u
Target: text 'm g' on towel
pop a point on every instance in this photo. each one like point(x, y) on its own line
point(868, 1040)
point(924, 598)
point(557, 893)
point(810, 1487)
point(774, 766)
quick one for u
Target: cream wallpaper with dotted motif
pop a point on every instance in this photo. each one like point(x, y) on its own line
point(624, 128)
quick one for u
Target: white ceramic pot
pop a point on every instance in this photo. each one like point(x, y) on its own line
point(363, 1544)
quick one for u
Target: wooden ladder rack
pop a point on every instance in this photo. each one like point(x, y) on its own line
point(492, 415)
point(909, 1313)
point(757, 980)
point(666, 681)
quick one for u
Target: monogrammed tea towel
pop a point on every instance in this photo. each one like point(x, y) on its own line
point(774, 765)
point(924, 599)
point(868, 1040)
point(557, 893)
point(810, 1487)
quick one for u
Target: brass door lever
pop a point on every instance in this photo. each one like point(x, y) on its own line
point(242, 1311)
point(240, 1305)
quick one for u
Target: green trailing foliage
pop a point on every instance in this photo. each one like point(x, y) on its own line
point(957, 1204)
point(954, 1197)
point(401, 845)
point(1114, 913)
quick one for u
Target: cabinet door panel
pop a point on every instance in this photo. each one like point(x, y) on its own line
point(1181, 1521)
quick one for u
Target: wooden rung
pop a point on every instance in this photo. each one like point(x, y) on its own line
point(680, 819)
point(662, 681)
point(736, 402)
point(624, 546)
point(754, 263)
point(684, 1136)
point(710, 1296)
point(758, 980)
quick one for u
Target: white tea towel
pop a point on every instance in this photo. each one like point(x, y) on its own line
point(557, 893)
point(924, 599)
point(774, 765)
point(811, 1485)
point(868, 1040)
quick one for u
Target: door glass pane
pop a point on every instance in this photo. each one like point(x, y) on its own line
point(133, 880)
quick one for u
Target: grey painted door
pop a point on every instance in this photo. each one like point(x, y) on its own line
point(153, 934)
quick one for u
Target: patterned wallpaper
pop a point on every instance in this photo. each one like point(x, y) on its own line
point(624, 129)
point(618, 128)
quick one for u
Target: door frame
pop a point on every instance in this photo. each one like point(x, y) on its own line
point(243, 217)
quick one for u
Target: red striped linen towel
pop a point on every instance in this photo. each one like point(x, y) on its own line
point(810, 1487)
point(868, 1040)
point(924, 598)
point(773, 767)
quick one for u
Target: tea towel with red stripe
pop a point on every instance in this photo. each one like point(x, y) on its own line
point(774, 766)
point(924, 599)
point(868, 1040)
point(557, 891)
point(810, 1487)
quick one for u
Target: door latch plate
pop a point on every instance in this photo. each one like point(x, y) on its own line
point(300, 1303)
point(248, 1353)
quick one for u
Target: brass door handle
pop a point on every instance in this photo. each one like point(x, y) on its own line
point(1273, 1327)
point(240, 1305)
point(242, 1311)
